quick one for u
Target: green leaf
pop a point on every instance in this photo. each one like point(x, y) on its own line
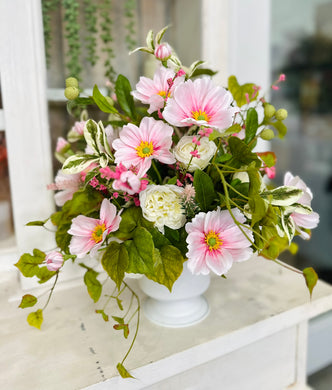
point(168, 267)
point(269, 158)
point(115, 261)
point(204, 187)
point(238, 91)
point(35, 318)
point(92, 134)
point(160, 34)
point(149, 40)
point(255, 180)
point(37, 223)
point(93, 285)
point(102, 102)
point(119, 302)
point(29, 265)
point(242, 155)
point(258, 209)
point(123, 372)
point(77, 163)
point(311, 278)
point(103, 314)
point(282, 196)
point(203, 71)
point(28, 300)
point(120, 320)
point(251, 125)
point(140, 250)
point(125, 99)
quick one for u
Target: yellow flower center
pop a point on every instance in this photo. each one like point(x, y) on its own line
point(213, 241)
point(145, 149)
point(163, 94)
point(200, 115)
point(97, 233)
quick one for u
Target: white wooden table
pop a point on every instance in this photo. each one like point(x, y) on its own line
point(254, 338)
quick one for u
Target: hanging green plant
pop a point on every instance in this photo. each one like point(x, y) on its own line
point(48, 6)
point(90, 19)
point(107, 38)
point(130, 8)
point(72, 28)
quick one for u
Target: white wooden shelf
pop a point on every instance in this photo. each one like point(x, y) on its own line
point(254, 338)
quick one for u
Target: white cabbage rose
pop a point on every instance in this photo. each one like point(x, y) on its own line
point(206, 150)
point(161, 205)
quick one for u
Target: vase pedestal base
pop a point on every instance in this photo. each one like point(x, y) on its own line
point(176, 314)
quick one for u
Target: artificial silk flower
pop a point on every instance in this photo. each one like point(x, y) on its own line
point(129, 180)
point(137, 146)
point(90, 233)
point(162, 205)
point(183, 152)
point(61, 143)
point(215, 242)
point(156, 91)
point(200, 103)
point(302, 220)
point(67, 185)
point(54, 260)
point(163, 51)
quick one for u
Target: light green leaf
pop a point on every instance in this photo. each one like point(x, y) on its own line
point(77, 163)
point(311, 278)
point(168, 266)
point(93, 285)
point(160, 34)
point(149, 40)
point(258, 208)
point(238, 91)
point(282, 196)
point(28, 300)
point(103, 314)
point(280, 127)
point(29, 265)
point(115, 262)
point(269, 158)
point(35, 318)
point(123, 372)
point(204, 188)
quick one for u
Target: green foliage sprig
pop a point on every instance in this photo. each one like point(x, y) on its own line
point(107, 37)
point(130, 7)
point(90, 18)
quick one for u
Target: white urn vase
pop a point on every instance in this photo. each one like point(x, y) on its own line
point(184, 306)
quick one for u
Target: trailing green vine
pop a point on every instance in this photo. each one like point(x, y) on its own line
point(72, 27)
point(90, 18)
point(130, 7)
point(48, 6)
point(107, 38)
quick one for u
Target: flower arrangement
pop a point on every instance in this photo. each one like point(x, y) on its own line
point(172, 177)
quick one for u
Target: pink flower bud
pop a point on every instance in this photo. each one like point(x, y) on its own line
point(275, 87)
point(61, 144)
point(54, 261)
point(163, 52)
point(180, 73)
point(282, 77)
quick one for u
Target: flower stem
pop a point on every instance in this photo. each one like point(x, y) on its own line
point(51, 291)
point(157, 172)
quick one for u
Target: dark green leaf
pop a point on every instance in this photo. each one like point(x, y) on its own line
point(115, 262)
point(124, 97)
point(311, 278)
point(102, 102)
point(37, 223)
point(35, 319)
point(242, 155)
point(203, 71)
point(28, 301)
point(93, 285)
point(251, 125)
point(204, 187)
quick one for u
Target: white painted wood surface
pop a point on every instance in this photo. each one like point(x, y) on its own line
point(23, 86)
point(256, 328)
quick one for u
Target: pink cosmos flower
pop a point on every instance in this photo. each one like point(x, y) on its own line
point(215, 242)
point(54, 260)
point(306, 221)
point(129, 180)
point(163, 51)
point(67, 185)
point(61, 144)
point(156, 91)
point(89, 233)
point(79, 127)
point(200, 103)
point(137, 146)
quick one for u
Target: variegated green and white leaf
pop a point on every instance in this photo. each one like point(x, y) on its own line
point(103, 160)
point(298, 208)
point(77, 163)
point(288, 226)
point(142, 48)
point(194, 66)
point(103, 140)
point(160, 34)
point(174, 59)
point(149, 40)
point(92, 135)
point(282, 196)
